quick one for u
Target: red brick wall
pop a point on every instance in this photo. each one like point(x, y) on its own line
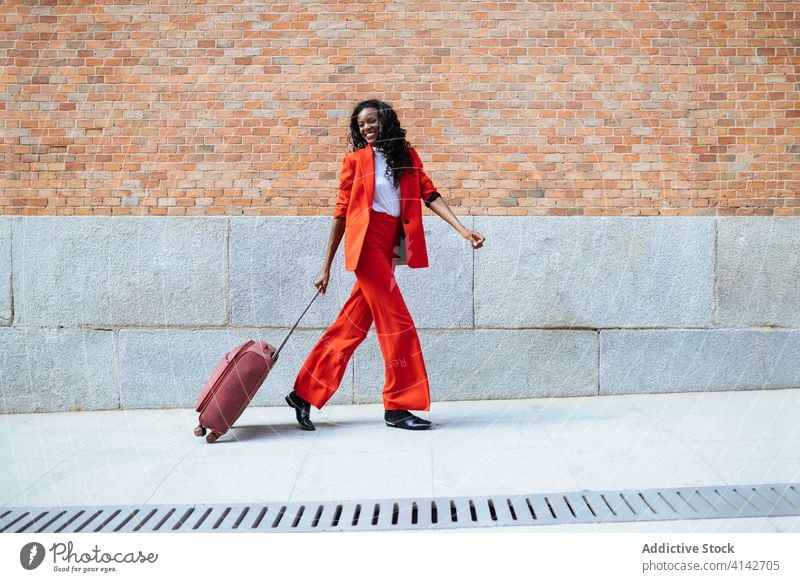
point(560, 108)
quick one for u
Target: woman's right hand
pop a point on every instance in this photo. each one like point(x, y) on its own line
point(322, 280)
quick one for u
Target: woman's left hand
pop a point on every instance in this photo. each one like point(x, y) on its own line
point(475, 238)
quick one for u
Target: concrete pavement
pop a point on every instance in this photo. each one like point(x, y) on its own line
point(508, 447)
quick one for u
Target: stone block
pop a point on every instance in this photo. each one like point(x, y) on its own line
point(168, 368)
point(49, 370)
point(6, 299)
point(758, 268)
point(647, 361)
point(491, 364)
point(120, 271)
point(275, 260)
point(594, 272)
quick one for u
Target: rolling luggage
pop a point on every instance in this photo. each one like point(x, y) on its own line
point(234, 382)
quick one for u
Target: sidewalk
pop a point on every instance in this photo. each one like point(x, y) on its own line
point(475, 448)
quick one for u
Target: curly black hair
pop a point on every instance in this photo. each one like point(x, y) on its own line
point(391, 138)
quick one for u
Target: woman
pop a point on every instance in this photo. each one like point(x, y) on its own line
point(379, 213)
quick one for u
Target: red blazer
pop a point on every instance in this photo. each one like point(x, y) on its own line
point(354, 202)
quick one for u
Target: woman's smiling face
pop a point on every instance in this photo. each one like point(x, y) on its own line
point(369, 124)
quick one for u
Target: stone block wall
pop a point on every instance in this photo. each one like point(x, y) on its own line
point(135, 312)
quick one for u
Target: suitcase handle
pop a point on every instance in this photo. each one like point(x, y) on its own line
point(278, 351)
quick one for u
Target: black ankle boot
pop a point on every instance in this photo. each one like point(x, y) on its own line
point(302, 410)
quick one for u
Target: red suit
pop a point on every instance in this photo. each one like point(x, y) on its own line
point(375, 242)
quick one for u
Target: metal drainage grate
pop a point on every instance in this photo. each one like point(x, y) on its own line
point(432, 513)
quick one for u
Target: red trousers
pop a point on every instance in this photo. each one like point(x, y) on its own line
point(375, 297)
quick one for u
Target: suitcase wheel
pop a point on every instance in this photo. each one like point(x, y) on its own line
point(200, 431)
point(212, 437)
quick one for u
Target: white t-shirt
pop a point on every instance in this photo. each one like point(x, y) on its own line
point(387, 197)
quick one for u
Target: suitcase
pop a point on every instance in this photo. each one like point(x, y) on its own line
point(233, 384)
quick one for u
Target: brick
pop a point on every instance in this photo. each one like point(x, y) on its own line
point(508, 127)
